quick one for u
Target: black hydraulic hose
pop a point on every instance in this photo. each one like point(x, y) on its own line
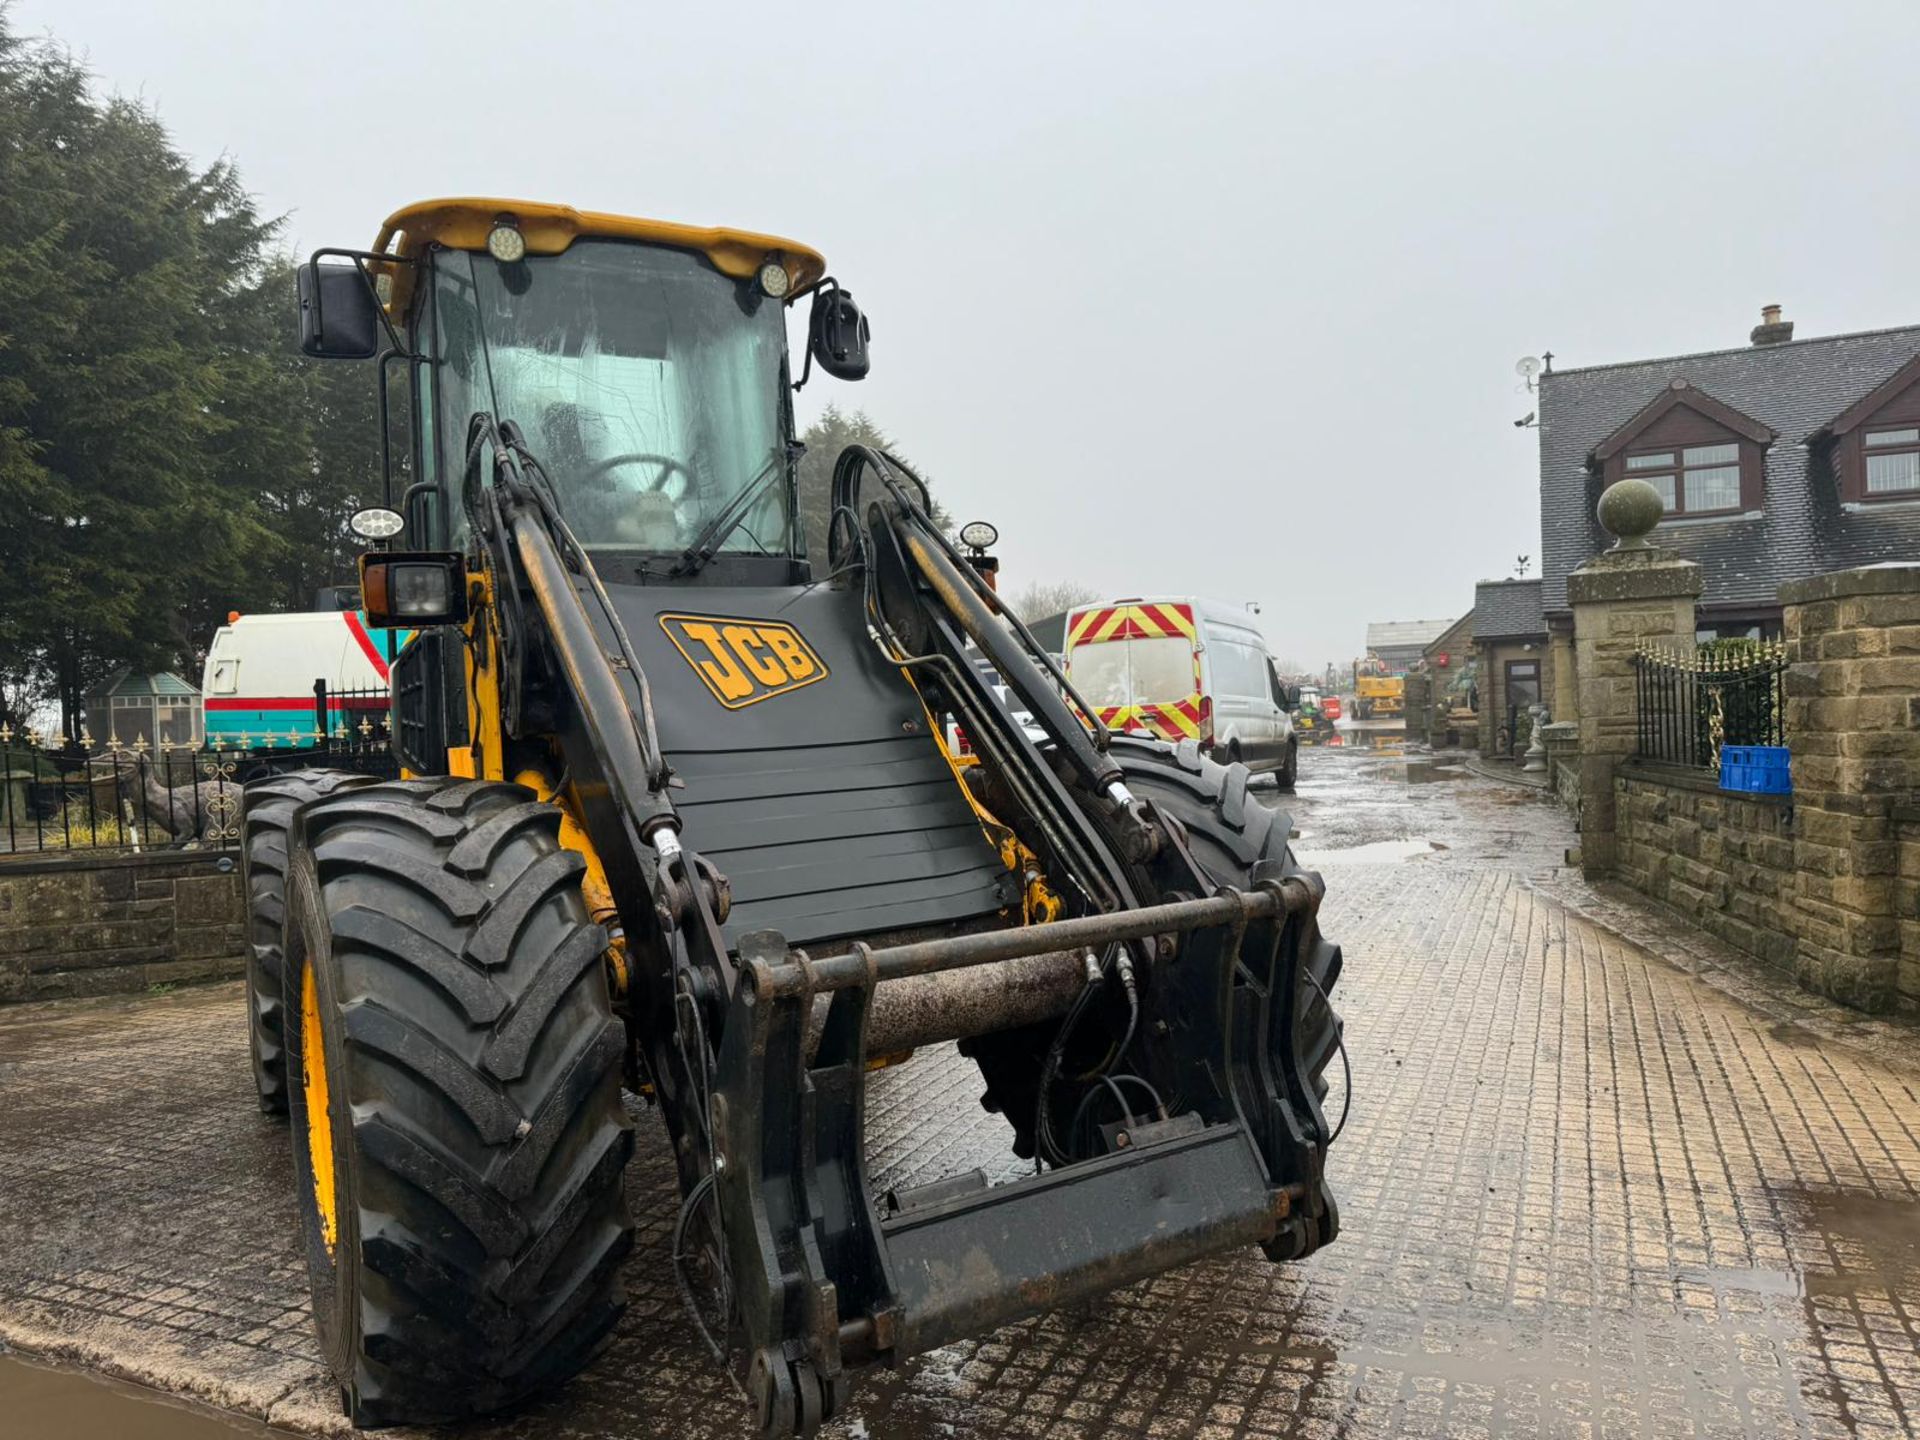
point(678, 1256)
point(844, 493)
point(535, 535)
point(610, 723)
point(1346, 1067)
point(998, 645)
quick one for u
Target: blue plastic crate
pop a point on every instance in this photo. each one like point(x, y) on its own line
point(1755, 769)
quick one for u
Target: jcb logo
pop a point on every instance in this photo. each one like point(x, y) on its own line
point(744, 661)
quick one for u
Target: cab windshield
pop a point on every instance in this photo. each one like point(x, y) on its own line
point(650, 386)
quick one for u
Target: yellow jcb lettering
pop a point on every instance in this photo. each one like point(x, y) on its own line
point(792, 654)
point(745, 642)
point(722, 672)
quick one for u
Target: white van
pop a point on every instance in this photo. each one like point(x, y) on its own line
point(258, 687)
point(1184, 668)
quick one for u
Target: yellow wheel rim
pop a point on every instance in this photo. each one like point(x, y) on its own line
point(319, 1115)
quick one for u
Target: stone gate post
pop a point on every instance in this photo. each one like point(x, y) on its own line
point(1853, 725)
point(1623, 599)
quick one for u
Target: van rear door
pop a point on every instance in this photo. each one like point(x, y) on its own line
point(1138, 666)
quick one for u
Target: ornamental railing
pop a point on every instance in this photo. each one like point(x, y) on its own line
point(1691, 702)
point(59, 794)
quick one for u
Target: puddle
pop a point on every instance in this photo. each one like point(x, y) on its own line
point(49, 1400)
point(1797, 1037)
point(1374, 852)
point(1427, 772)
point(1356, 737)
point(1874, 1242)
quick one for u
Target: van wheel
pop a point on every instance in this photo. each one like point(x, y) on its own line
point(1290, 772)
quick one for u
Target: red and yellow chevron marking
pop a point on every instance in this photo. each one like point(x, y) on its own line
point(1130, 622)
point(1172, 720)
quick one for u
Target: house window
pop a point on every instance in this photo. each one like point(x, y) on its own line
point(1694, 479)
point(1893, 461)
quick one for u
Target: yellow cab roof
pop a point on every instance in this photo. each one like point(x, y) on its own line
point(462, 224)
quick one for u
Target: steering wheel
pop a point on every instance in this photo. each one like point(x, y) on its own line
point(634, 516)
point(666, 465)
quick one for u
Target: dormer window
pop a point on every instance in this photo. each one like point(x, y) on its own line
point(1893, 461)
point(1694, 479)
point(1701, 454)
point(1874, 444)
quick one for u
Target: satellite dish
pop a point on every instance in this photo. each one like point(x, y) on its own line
point(1526, 367)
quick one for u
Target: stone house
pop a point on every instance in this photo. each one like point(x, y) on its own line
point(1780, 460)
point(1441, 686)
point(1514, 662)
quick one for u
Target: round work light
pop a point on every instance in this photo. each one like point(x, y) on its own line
point(774, 280)
point(506, 244)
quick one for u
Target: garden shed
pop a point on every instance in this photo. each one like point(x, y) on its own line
point(161, 709)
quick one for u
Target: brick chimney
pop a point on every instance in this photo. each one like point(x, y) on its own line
point(1771, 330)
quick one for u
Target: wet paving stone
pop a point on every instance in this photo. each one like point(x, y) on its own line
point(1601, 1178)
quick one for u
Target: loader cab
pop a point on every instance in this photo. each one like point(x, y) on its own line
point(647, 365)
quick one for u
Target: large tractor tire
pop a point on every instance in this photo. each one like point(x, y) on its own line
point(1229, 832)
point(458, 1136)
point(267, 810)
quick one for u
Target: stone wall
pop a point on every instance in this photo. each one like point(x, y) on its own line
point(1907, 904)
point(1824, 882)
point(1418, 693)
point(1853, 725)
point(1725, 861)
point(1562, 739)
point(85, 924)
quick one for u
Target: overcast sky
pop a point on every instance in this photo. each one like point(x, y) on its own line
point(1221, 299)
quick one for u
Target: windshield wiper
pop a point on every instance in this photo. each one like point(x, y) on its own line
point(707, 542)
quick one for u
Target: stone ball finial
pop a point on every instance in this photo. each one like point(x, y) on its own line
point(1628, 511)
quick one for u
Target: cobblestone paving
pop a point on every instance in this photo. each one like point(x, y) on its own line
point(1599, 1180)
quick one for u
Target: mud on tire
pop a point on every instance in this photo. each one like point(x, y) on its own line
point(268, 806)
point(459, 1140)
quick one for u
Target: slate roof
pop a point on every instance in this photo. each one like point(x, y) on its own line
point(1794, 389)
point(1508, 610)
point(1404, 634)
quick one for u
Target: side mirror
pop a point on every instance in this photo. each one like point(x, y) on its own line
point(1289, 697)
point(411, 590)
point(339, 315)
point(837, 334)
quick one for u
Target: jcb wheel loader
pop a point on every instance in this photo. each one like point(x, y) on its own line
point(677, 816)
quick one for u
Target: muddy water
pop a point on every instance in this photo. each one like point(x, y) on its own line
point(1373, 852)
point(47, 1402)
